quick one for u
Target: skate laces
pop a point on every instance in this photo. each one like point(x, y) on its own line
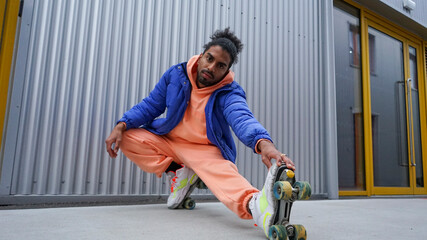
point(174, 176)
point(173, 182)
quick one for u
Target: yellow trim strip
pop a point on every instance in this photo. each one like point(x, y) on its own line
point(408, 109)
point(423, 113)
point(367, 112)
point(412, 147)
point(393, 191)
point(421, 68)
point(6, 53)
point(2, 12)
point(353, 193)
point(422, 79)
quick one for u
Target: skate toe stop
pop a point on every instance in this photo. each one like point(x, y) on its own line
point(290, 174)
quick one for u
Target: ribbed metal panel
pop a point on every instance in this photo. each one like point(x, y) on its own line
point(89, 61)
point(418, 14)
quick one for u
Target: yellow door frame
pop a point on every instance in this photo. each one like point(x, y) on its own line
point(368, 18)
point(422, 95)
point(422, 88)
point(407, 40)
point(2, 12)
point(8, 18)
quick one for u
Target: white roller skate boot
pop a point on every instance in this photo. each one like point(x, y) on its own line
point(271, 208)
point(263, 205)
point(183, 182)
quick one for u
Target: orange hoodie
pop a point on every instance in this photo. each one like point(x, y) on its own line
point(192, 127)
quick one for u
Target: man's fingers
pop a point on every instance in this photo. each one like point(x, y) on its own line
point(267, 162)
point(108, 144)
point(284, 159)
point(111, 153)
point(117, 146)
point(290, 164)
point(279, 160)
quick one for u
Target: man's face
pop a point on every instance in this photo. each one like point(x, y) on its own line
point(213, 66)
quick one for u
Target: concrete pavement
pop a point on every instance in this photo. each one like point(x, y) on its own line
point(374, 218)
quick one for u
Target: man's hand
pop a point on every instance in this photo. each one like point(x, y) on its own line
point(268, 152)
point(116, 138)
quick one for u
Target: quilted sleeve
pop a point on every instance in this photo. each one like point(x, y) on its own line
point(150, 107)
point(242, 120)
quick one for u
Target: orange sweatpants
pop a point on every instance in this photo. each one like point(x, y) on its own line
point(153, 154)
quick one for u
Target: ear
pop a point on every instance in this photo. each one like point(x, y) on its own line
point(200, 56)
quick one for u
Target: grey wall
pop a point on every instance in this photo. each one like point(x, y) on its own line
point(81, 64)
point(419, 14)
point(414, 21)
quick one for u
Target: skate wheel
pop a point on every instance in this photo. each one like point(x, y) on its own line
point(282, 190)
point(201, 185)
point(277, 232)
point(299, 233)
point(189, 204)
point(304, 190)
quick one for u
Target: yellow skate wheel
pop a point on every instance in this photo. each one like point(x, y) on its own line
point(189, 204)
point(277, 232)
point(304, 190)
point(282, 190)
point(299, 233)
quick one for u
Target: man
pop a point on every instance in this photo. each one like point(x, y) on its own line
point(194, 139)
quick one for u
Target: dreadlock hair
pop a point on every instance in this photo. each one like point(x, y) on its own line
point(228, 41)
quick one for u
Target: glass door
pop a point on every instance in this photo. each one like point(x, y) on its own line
point(395, 113)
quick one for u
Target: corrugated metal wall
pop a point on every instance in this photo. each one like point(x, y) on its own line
point(418, 14)
point(83, 63)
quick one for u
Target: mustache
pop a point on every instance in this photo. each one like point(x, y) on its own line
point(208, 72)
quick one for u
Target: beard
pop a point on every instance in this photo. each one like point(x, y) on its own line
point(205, 82)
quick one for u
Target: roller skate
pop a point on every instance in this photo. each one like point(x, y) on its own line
point(271, 208)
point(183, 182)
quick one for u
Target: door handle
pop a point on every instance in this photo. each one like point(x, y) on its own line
point(401, 107)
point(411, 120)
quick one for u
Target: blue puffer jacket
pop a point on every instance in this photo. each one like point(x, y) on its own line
point(226, 107)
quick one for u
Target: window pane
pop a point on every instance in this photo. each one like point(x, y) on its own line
point(389, 128)
point(351, 160)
